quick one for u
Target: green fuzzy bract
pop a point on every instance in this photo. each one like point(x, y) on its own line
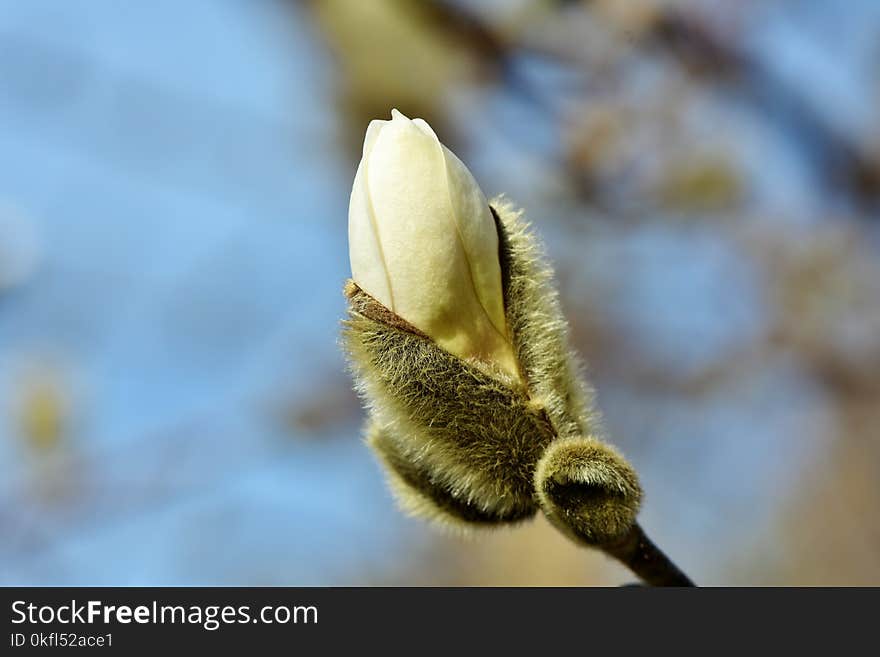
point(539, 329)
point(460, 441)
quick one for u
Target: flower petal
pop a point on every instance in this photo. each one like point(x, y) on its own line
point(368, 266)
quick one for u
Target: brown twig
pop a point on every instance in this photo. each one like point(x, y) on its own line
point(638, 553)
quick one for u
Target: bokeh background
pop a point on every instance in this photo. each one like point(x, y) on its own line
point(174, 182)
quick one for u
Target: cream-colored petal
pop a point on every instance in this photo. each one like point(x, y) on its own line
point(435, 237)
point(405, 185)
point(368, 267)
point(424, 127)
point(373, 131)
point(479, 237)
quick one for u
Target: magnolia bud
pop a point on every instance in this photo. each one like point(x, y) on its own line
point(428, 308)
point(422, 242)
point(462, 446)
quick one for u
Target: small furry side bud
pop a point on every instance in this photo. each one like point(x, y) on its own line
point(588, 490)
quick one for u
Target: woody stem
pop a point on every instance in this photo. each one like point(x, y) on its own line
point(638, 553)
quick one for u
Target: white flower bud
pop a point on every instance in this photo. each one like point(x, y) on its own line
point(422, 241)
